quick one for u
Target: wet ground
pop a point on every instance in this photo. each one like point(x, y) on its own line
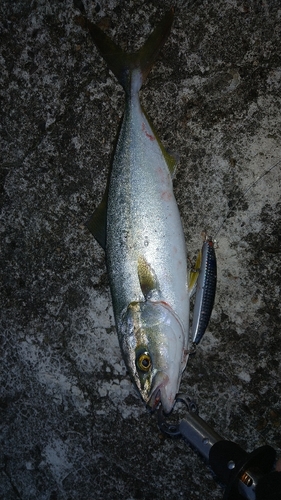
point(72, 425)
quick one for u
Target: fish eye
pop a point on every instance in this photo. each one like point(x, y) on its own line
point(144, 362)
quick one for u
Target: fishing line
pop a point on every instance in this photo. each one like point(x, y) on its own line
point(241, 197)
point(203, 277)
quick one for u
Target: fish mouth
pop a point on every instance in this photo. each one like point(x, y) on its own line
point(155, 400)
point(160, 394)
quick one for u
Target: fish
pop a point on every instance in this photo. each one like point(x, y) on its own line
point(138, 224)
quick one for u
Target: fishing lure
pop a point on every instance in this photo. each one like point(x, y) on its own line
point(206, 282)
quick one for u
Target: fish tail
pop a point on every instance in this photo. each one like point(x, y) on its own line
point(131, 69)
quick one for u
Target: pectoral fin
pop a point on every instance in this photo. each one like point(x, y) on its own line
point(147, 277)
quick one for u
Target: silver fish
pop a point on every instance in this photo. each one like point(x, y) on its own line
point(139, 226)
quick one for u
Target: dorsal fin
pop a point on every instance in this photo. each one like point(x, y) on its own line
point(97, 222)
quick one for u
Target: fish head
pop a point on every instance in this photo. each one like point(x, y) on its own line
point(152, 339)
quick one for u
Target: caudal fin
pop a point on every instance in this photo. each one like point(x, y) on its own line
point(131, 69)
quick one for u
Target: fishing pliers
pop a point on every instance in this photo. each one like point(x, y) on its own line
point(245, 475)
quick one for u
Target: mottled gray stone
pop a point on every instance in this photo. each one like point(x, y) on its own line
point(72, 426)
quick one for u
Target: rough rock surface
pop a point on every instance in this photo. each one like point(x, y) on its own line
point(72, 426)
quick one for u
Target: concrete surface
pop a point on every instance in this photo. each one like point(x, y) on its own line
point(72, 426)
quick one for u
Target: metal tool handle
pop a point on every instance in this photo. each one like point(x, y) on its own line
point(238, 470)
point(199, 434)
point(244, 474)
